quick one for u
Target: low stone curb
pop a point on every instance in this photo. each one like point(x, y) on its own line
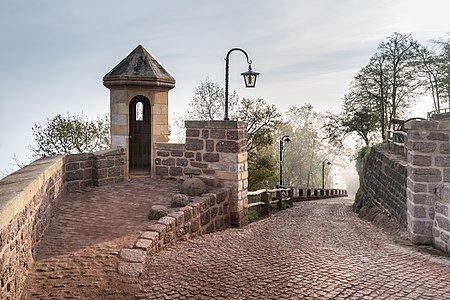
point(204, 214)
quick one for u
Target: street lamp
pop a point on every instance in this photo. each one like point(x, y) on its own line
point(249, 76)
point(323, 171)
point(284, 139)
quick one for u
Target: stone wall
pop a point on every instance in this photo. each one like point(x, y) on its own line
point(99, 168)
point(205, 214)
point(441, 221)
point(384, 184)
point(428, 182)
point(216, 152)
point(27, 201)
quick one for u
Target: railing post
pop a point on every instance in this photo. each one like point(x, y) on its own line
point(291, 197)
point(279, 196)
point(265, 197)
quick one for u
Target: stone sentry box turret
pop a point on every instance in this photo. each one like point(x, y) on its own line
point(139, 88)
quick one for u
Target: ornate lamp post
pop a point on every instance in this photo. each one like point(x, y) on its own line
point(325, 161)
point(249, 76)
point(284, 139)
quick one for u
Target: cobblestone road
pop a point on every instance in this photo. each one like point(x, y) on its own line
point(316, 250)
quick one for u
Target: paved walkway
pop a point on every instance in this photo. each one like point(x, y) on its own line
point(316, 250)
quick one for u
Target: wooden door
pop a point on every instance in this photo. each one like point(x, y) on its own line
point(140, 135)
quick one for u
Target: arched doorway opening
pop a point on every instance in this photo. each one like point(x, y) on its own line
point(140, 136)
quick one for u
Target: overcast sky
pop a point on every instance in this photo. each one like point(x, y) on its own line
point(55, 53)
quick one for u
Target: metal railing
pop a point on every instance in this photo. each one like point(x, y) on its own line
point(444, 112)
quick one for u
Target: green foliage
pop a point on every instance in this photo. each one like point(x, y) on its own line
point(63, 134)
point(303, 156)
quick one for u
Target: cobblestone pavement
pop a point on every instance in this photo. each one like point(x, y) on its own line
point(316, 250)
point(78, 256)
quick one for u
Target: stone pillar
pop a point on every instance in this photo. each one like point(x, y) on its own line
point(221, 148)
point(428, 153)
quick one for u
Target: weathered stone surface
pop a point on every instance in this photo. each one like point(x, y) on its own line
point(193, 187)
point(157, 211)
point(227, 147)
point(420, 160)
point(192, 132)
point(211, 157)
point(193, 144)
point(441, 209)
point(149, 235)
point(179, 200)
point(422, 227)
point(130, 269)
point(176, 171)
point(442, 161)
point(133, 255)
point(143, 244)
point(217, 133)
point(182, 162)
point(424, 147)
point(162, 171)
point(426, 175)
point(443, 222)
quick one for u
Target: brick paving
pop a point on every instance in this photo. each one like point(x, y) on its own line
point(316, 250)
point(78, 256)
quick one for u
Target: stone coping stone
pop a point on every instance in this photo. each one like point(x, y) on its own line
point(86, 156)
point(213, 124)
point(428, 125)
point(170, 146)
point(18, 188)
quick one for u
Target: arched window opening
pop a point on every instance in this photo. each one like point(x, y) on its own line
point(139, 111)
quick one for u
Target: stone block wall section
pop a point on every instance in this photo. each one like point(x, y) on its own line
point(99, 168)
point(216, 152)
point(205, 214)
point(385, 183)
point(27, 201)
point(428, 182)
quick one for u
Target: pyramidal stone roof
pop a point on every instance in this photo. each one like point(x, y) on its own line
point(139, 68)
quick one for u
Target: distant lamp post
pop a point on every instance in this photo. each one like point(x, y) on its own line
point(249, 76)
point(325, 161)
point(284, 139)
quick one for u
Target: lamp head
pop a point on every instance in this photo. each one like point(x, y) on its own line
point(250, 77)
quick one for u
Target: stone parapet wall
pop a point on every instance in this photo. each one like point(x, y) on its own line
point(385, 183)
point(215, 151)
point(28, 198)
point(203, 215)
point(99, 168)
point(428, 181)
point(27, 201)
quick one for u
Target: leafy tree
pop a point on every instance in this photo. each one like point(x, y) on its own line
point(303, 156)
point(63, 134)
